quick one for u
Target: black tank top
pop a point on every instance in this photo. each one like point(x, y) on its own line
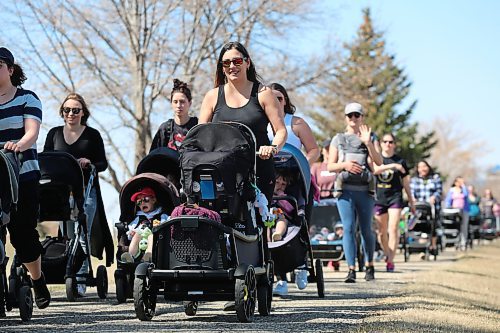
point(251, 114)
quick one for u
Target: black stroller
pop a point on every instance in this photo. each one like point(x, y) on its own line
point(163, 161)
point(451, 221)
point(294, 250)
point(62, 198)
point(199, 259)
point(10, 294)
point(418, 237)
point(167, 197)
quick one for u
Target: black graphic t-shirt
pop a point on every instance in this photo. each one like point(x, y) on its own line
point(390, 182)
point(171, 135)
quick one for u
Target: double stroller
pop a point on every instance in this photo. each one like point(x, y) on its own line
point(10, 294)
point(160, 171)
point(62, 198)
point(417, 237)
point(295, 250)
point(490, 227)
point(196, 258)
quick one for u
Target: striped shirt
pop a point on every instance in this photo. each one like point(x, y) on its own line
point(423, 188)
point(24, 105)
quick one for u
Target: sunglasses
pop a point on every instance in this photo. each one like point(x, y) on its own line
point(353, 114)
point(236, 61)
point(389, 142)
point(74, 110)
point(145, 200)
point(280, 98)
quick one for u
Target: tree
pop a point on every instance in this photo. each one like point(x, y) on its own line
point(123, 54)
point(368, 74)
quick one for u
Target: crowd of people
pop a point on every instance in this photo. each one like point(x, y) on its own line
point(363, 176)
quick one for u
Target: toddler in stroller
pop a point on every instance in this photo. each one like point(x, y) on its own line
point(149, 215)
point(146, 200)
point(282, 209)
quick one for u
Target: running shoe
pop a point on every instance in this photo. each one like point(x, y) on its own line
point(301, 278)
point(389, 266)
point(42, 293)
point(281, 288)
point(370, 273)
point(351, 276)
point(81, 289)
point(127, 257)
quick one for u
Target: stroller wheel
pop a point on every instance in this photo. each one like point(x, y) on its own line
point(265, 291)
point(320, 282)
point(12, 293)
point(102, 282)
point(245, 296)
point(121, 289)
point(25, 303)
point(71, 291)
point(144, 299)
point(190, 308)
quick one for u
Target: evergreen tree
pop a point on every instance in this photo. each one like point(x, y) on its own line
point(369, 75)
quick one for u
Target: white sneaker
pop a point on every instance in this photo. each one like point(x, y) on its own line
point(82, 289)
point(281, 288)
point(301, 278)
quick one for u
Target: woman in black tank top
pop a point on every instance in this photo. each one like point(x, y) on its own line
point(238, 96)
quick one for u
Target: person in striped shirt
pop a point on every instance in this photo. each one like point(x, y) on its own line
point(20, 119)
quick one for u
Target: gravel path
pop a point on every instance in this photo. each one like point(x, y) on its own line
point(345, 307)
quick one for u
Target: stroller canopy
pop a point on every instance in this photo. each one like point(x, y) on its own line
point(228, 147)
point(166, 194)
point(9, 171)
point(62, 168)
point(163, 161)
point(291, 158)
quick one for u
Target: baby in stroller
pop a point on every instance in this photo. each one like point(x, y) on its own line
point(282, 209)
point(149, 214)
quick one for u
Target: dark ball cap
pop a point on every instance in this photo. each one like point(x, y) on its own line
point(6, 55)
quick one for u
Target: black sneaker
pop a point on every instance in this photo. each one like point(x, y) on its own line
point(370, 273)
point(351, 276)
point(42, 293)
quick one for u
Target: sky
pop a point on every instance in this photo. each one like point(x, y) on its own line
point(449, 49)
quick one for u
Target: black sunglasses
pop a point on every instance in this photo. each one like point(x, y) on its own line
point(353, 114)
point(280, 98)
point(74, 110)
point(236, 61)
point(388, 141)
point(140, 201)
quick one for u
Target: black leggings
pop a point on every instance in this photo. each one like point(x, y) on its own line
point(23, 221)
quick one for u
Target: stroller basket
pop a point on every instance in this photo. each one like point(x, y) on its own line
point(195, 246)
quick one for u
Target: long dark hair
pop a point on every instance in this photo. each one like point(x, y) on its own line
point(85, 109)
point(289, 107)
point(18, 77)
point(220, 78)
point(431, 170)
point(181, 87)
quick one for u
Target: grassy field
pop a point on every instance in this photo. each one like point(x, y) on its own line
point(460, 296)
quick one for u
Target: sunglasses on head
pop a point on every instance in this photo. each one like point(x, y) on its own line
point(236, 61)
point(145, 200)
point(74, 110)
point(389, 142)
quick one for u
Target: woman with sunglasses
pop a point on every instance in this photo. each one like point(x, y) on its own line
point(238, 96)
point(392, 178)
point(172, 132)
point(299, 132)
point(86, 145)
point(355, 153)
point(20, 118)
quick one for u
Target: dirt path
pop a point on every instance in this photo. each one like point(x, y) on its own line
point(458, 293)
